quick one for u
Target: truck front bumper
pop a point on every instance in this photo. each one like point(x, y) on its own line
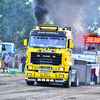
point(46, 77)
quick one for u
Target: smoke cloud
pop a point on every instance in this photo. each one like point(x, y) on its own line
point(61, 12)
point(40, 11)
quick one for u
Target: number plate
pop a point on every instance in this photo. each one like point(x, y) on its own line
point(31, 79)
point(58, 80)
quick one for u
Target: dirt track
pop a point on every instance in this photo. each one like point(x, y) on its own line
point(15, 88)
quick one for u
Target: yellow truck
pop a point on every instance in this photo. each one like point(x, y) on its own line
point(49, 56)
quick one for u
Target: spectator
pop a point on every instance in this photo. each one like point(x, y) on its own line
point(23, 61)
point(6, 62)
point(92, 77)
point(91, 47)
point(95, 78)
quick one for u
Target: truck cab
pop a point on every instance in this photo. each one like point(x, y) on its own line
point(49, 55)
point(10, 47)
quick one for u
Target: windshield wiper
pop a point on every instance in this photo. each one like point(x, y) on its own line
point(36, 46)
point(50, 47)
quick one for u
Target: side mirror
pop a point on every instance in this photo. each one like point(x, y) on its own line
point(25, 42)
point(71, 45)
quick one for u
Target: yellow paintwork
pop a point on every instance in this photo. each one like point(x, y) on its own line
point(0, 63)
point(48, 28)
point(25, 42)
point(46, 75)
point(53, 67)
point(71, 44)
point(66, 62)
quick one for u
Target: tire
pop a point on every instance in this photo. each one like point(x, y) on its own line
point(29, 83)
point(68, 82)
point(76, 83)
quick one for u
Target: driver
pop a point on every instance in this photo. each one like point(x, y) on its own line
point(91, 47)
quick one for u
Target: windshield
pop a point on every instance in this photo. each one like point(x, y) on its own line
point(9, 47)
point(48, 42)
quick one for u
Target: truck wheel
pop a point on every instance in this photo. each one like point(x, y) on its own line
point(29, 83)
point(68, 83)
point(76, 83)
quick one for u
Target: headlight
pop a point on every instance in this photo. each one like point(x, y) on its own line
point(29, 74)
point(30, 67)
point(37, 27)
point(60, 29)
point(61, 69)
point(61, 75)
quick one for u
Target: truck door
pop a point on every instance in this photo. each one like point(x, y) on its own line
point(69, 56)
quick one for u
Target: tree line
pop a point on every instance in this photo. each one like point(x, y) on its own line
point(16, 21)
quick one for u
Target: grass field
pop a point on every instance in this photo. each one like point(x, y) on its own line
point(16, 72)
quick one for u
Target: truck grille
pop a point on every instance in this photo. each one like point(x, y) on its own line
point(46, 58)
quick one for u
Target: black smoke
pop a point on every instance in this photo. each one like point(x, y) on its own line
point(40, 11)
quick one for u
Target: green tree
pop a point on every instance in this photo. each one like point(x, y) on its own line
point(18, 20)
point(2, 29)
